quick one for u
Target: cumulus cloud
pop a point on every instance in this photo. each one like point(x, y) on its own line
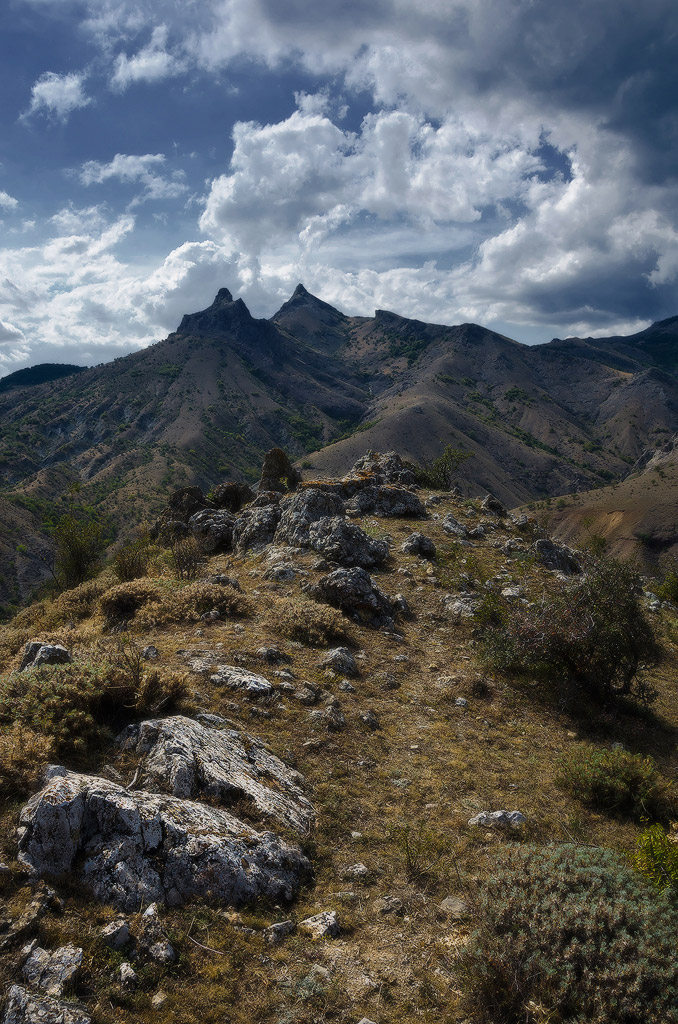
point(8, 202)
point(140, 169)
point(150, 64)
point(58, 95)
point(9, 334)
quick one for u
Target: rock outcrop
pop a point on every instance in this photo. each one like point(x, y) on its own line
point(355, 593)
point(345, 543)
point(557, 556)
point(213, 529)
point(24, 1007)
point(255, 527)
point(305, 507)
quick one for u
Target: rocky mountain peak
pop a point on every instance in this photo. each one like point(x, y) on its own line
point(223, 315)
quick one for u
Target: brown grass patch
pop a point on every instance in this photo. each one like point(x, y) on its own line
point(309, 623)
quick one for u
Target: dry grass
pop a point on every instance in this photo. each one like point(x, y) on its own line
point(23, 757)
point(309, 623)
point(191, 602)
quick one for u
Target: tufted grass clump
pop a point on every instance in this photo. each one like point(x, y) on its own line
point(24, 754)
point(121, 603)
point(615, 781)
point(311, 624)
point(592, 632)
point(194, 600)
point(656, 857)
point(570, 934)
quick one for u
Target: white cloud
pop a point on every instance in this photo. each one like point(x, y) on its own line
point(150, 64)
point(8, 202)
point(9, 333)
point(58, 95)
point(136, 169)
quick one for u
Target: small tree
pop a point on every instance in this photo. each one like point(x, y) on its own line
point(80, 544)
point(440, 473)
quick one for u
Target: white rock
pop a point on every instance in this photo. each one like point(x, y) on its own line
point(116, 934)
point(321, 926)
point(52, 972)
point(277, 932)
point(23, 1007)
point(498, 819)
point(127, 977)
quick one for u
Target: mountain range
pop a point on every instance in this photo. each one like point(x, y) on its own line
point(204, 404)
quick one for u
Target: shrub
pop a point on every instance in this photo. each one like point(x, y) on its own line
point(656, 857)
point(439, 474)
point(80, 602)
point(23, 757)
point(668, 591)
point(130, 561)
point(311, 623)
point(80, 544)
point(122, 602)
point(422, 848)
point(615, 781)
point(593, 632)
point(192, 601)
point(185, 557)
point(571, 934)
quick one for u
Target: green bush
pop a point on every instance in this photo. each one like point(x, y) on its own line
point(130, 561)
point(593, 632)
point(80, 545)
point(440, 474)
point(571, 934)
point(656, 857)
point(668, 591)
point(615, 781)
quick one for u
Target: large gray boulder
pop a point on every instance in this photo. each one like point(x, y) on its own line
point(37, 654)
point(53, 972)
point(418, 544)
point(301, 510)
point(343, 542)
point(213, 529)
point(355, 593)
point(255, 527)
point(189, 759)
point(134, 848)
point(24, 1007)
point(383, 468)
point(556, 556)
point(385, 500)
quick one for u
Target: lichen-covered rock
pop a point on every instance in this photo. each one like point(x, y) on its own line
point(341, 661)
point(355, 593)
point(236, 678)
point(383, 468)
point(305, 507)
point(231, 495)
point(189, 759)
point(493, 506)
point(24, 1007)
point(385, 500)
point(135, 847)
point(37, 654)
point(498, 819)
point(213, 529)
point(330, 717)
point(321, 926)
point(556, 556)
point(453, 528)
point(255, 527)
point(116, 934)
point(52, 972)
point(343, 542)
point(418, 544)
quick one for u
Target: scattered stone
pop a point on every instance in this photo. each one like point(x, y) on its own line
point(277, 932)
point(498, 819)
point(308, 694)
point(365, 1020)
point(213, 529)
point(355, 593)
point(188, 759)
point(341, 661)
point(369, 719)
point(322, 926)
point(24, 1007)
point(158, 1000)
point(476, 532)
point(455, 908)
point(150, 653)
point(401, 605)
point(452, 527)
point(236, 678)
point(17, 929)
point(494, 506)
point(135, 847)
point(459, 607)
point(390, 905)
point(127, 977)
point(347, 686)
point(37, 654)
point(556, 556)
point(331, 716)
point(273, 655)
point(513, 593)
point(162, 952)
point(358, 870)
point(116, 935)
point(52, 972)
point(418, 544)
point(280, 572)
point(342, 542)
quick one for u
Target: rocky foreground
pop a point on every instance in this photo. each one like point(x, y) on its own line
point(301, 837)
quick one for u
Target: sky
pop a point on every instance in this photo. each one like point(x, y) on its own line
point(507, 162)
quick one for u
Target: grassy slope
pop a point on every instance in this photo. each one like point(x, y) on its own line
point(432, 764)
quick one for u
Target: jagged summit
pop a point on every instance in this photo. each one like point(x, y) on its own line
point(223, 315)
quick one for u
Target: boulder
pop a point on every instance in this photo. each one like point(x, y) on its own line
point(498, 819)
point(355, 593)
point(231, 495)
point(305, 507)
point(340, 541)
point(277, 932)
point(255, 527)
point(556, 556)
point(383, 468)
point(188, 759)
point(385, 500)
point(116, 934)
point(278, 473)
point(341, 661)
point(131, 848)
point(251, 683)
point(453, 528)
point(52, 972)
point(493, 506)
point(321, 926)
point(37, 654)
point(213, 529)
point(23, 1007)
point(418, 544)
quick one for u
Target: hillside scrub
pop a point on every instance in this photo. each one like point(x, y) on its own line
point(571, 934)
point(656, 857)
point(593, 632)
point(615, 781)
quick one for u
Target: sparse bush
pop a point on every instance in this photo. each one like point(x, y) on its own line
point(668, 590)
point(656, 857)
point(440, 474)
point(311, 623)
point(122, 602)
point(192, 601)
point(593, 632)
point(570, 934)
point(615, 781)
point(80, 602)
point(24, 755)
point(422, 848)
point(185, 557)
point(80, 545)
point(130, 561)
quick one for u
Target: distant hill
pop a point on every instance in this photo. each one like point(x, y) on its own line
point(206, 403)
point(41, 373)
